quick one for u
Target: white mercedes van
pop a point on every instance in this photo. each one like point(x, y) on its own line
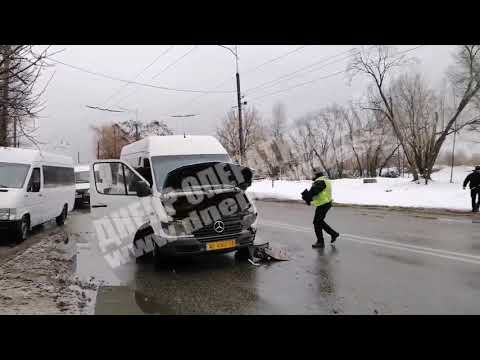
point(35, 187)
point(197, 183)
point(82, 184)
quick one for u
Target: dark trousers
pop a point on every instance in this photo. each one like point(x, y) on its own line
point(319, 222)
point(475, 193)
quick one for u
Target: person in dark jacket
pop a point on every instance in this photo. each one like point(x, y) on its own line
point(474, 180)
point(320, 196)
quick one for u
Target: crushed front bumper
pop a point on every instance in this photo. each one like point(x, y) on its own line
point(195, 246)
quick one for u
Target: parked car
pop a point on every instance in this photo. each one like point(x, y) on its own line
point(82, 185)
point(390, 174)
point(35, 187)
point(158, 166)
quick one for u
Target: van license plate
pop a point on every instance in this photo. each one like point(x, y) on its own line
point(218, 245)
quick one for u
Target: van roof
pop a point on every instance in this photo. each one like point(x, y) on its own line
point(175, 145)
point(27, 156)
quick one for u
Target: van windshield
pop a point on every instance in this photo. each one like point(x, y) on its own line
point(82, 177)
point(162, 165)
point(13, 175)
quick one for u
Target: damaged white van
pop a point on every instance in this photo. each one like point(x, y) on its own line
point(35, 187)
point(202, 193)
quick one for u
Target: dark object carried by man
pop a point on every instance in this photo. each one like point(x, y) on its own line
point(307, 196)
point(474, 180)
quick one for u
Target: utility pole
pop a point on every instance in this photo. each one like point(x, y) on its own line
point(78, 159)
point(239, 99)
point(240, 123)
point(114, 140)
point(137, 135)
point(453, 151)
point(15, 132)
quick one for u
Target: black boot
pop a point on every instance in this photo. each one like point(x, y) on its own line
point(334, 238)
point(318, 245)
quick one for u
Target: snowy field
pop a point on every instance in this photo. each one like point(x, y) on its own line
point(438, 194)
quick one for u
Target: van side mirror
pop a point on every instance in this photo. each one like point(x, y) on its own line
point(248, 177)
point(143, 189)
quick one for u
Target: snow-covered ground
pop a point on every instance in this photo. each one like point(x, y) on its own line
point(438, 194)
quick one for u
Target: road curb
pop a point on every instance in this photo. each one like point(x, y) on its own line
point(422, 210)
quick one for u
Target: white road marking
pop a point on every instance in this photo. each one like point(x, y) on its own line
point(455, 220)
point(452, 255)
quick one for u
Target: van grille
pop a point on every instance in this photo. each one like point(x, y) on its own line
point(233, 225)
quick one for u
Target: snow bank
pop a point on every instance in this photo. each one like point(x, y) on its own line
point(439, 193)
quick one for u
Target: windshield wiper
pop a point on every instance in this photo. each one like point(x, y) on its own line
point(4, 186)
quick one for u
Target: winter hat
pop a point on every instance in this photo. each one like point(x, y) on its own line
point(477, 168)
point(317, 172)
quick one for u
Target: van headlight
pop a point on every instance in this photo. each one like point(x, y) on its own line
point(248, 220)
point(7, 214)
point(174, 228)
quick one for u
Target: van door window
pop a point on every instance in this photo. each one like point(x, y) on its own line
point(146, 171)
point(115, 179)
point(34, 184)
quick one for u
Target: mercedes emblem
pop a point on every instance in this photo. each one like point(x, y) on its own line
point(219, 226)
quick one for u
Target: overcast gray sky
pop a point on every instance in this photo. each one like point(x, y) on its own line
point(66, 117)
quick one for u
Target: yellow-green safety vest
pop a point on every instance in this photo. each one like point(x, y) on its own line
point(325, 196)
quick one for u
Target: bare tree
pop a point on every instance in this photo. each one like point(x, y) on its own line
point(279, 121)
point(20, 97)
point(139, 130)
point(253, 131)
point(378, 63)
point(353, 126)
point(109, 140)
point(302, 149)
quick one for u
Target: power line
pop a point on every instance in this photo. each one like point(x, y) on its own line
point(323, 77)
point(320, 78)
point(274, 59)
point(276, 80)
point(290, 75)
point(140, 73)
point(161, 71)
point(137, 82)
point(104, 109)
point(301, 84)
point(288, 53)
point(176, 61)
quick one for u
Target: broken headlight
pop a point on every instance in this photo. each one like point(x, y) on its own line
point(249, 220)
point(174, 228)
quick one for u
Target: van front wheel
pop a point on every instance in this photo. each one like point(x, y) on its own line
point(22, 230)
point(62, 217)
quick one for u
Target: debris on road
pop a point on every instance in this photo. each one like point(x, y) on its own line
point(267, 252)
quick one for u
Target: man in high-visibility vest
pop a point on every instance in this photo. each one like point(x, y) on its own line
point(320, 196)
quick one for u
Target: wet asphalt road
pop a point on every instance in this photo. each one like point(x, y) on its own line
point(385, 262)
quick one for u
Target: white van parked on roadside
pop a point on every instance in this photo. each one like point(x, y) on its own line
point(158, 167)
point(82, 184)
point(35, 187)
